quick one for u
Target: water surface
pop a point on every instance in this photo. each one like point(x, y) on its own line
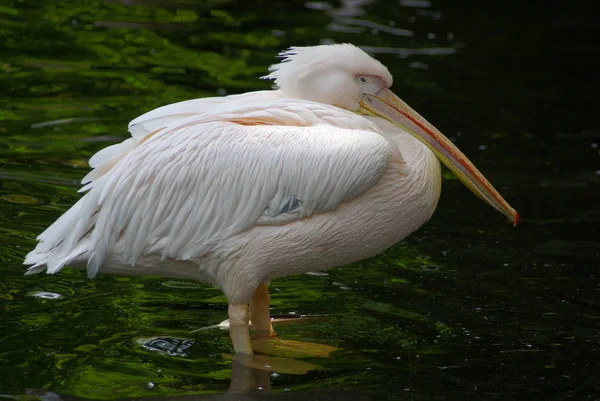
point(466, 308)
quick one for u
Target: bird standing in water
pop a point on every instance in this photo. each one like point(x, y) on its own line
point(329, 168)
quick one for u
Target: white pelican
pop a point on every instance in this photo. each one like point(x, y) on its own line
point(329, 168)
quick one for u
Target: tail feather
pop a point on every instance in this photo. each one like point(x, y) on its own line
point(54, 235)
point(65, 241)
point(68, 238)
point(34, 270)
point(103, 161)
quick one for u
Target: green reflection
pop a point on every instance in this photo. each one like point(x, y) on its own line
point(466, 308)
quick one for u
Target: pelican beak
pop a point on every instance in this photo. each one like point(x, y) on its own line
point(387, 105)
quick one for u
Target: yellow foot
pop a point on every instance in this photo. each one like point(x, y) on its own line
point(274, 364)
point(290, 349)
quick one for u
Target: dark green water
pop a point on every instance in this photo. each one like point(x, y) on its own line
point(466, 308)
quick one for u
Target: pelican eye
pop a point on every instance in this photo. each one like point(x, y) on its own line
point(363, 80)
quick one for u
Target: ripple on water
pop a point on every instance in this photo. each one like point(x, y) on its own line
point(179, 284)
point(317, 274)
point(171, 346)
point(45, 295)
point(20, 199)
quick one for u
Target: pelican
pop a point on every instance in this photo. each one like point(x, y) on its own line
point(328, 168)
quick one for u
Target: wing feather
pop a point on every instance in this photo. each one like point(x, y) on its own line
point(202, 179)
point(229, 175)
point(165, 115)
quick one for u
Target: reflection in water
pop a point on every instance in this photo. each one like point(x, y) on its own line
point(403, 52)
point(167, 346)
point(247, 384)
point(466, 309)
point(61, 121)
point(345, 18)
point(45, 295)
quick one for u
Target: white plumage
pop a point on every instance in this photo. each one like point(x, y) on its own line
point(242, 189)
point(203, 179)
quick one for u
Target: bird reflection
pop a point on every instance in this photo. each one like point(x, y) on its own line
point(247, 384)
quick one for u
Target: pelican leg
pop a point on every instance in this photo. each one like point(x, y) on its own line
point(259, 313)
point(266, 341)
point(239, 329)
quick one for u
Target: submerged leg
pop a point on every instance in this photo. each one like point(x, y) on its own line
point(264, 342)
point(259, 312)
point(239, 329)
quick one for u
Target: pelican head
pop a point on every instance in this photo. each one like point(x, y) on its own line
point(345, 76)
point(331, 74)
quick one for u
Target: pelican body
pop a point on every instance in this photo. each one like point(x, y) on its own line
point(328, 168)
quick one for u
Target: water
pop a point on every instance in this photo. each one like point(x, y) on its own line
point(466, 308)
